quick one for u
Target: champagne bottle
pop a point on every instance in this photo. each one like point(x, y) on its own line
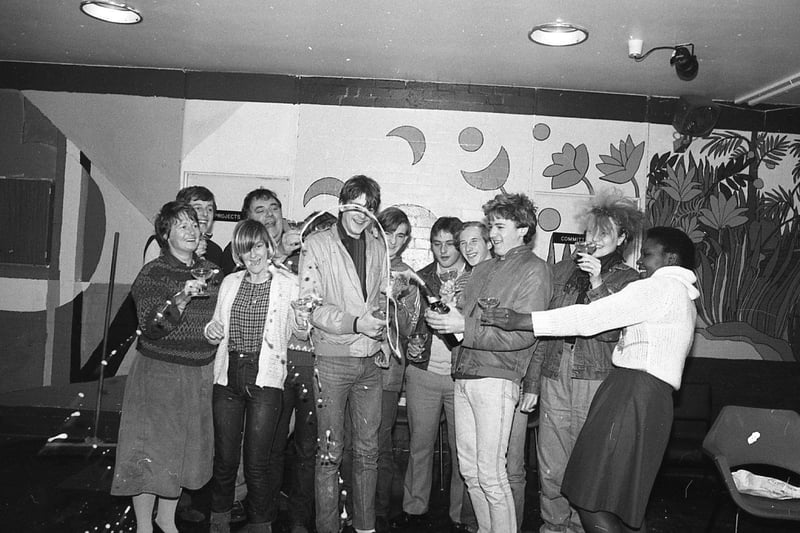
point(437, 305)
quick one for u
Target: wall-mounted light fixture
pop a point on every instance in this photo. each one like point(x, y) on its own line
point(558, 34)
point(683, 58)
point(768, 91)
point(108, 11)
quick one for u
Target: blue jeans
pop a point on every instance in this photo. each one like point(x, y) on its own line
point(386, 466)
point(298, 397)
point(243, 405)
point(484, 410)
point(352, 382)
point(563, 406)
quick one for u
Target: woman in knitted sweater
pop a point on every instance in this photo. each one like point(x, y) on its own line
point(617, 455)
point(165, 435)
point(252, 324)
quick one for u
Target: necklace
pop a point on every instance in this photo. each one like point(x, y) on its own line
point(257, 291)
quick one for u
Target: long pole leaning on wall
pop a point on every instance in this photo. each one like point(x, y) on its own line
point(55, 445)
point(94, 439)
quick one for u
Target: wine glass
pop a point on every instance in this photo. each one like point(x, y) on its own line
point(309, 302)
point(585, 247)
point(488, 302)
point(417, 340)
point(203, 274)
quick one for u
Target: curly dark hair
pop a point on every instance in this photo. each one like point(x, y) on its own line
point(170, 213)
point(515, 207)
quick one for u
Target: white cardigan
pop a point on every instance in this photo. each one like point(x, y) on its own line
point(279, 326)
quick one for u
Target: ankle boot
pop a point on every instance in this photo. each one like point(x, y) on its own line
point(220, 522)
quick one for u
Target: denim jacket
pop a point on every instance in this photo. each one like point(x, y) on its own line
point(592, 356)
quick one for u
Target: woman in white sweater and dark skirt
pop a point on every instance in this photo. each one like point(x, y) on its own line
point(613, 466)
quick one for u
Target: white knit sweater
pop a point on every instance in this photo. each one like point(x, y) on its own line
point(658, 315)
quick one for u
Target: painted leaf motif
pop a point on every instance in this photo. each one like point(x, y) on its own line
point(680, 185)
point(569, 166)
point(621, 165)
point(689, 227)
point(722, 213)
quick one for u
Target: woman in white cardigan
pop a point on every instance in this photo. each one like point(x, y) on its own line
point(252, 323)
point(616, 457)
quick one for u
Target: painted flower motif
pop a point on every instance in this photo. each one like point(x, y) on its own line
point(569, 166)
point(722, 213)
point(680, 185)
point(621, 165)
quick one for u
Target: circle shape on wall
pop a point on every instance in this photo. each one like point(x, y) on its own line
point(541, 131)
point(549, 219)
point(470, 139)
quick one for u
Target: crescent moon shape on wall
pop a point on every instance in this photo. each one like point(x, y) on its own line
point(415, 139)
point(326, 185)
point(493, 176)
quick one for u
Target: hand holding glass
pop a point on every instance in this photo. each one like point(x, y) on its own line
point(305, 306)
point(203, 274)
point(585, 247)
point(488, 302)
point(416, 346)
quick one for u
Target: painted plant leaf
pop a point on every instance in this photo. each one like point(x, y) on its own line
point(569, 166)
point(621, 165)
point(722, 213)
point(680, 185)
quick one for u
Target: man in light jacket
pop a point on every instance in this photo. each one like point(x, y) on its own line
point(346, 266)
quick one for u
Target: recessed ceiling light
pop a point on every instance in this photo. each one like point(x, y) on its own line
point(558, 34)
point(113, 12)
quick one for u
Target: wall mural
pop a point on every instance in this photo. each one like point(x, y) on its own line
point(747, 237)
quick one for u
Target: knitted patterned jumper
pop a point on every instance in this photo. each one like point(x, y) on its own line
point(167, 334)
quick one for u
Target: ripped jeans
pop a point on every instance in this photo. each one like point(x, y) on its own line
point(243, 405)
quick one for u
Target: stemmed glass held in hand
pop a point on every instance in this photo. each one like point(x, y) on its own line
point(585, 247)
point(306, 303)
point(488, 302)
point(203, 274)
point(416, 346)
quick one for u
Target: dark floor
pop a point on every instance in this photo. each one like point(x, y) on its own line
point(52, 491)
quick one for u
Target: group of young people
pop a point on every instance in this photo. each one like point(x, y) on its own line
point(317, 335)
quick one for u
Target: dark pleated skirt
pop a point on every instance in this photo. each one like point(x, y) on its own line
point(166, 433)
point(619, 450)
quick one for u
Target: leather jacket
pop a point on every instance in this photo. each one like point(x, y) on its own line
point(522, 282)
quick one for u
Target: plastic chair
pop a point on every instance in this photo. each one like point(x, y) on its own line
point(750, 436)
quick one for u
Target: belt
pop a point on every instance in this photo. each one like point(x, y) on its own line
point(242, 355)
